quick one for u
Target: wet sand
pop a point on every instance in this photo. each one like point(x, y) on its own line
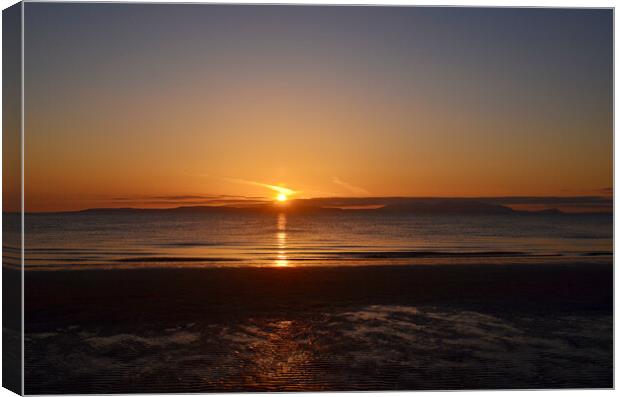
point(339, 328)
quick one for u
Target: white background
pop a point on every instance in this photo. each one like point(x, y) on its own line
point(503, 3)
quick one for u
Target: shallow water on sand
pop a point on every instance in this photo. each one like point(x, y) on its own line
point(379, 347)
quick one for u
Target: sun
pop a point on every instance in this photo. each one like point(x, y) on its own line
point(281, 197)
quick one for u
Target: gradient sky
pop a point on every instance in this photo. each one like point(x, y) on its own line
point(165, 100)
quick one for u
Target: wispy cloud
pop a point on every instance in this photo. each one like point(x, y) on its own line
point(168, 198)
point(275, 188)
point(606, 190)
point(602, 190)
point(350, 188)
point(184, 200)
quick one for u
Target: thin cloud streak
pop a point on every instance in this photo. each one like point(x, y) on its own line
point(358, 191)
point(278, 189)
point(183, 198)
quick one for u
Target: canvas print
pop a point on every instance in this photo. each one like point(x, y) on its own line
point(234, 198)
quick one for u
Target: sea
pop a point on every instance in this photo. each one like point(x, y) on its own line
point(73, 241)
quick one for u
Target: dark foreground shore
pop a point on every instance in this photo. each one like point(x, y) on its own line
point(338, 328)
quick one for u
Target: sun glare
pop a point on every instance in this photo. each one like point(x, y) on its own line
point(281, 197)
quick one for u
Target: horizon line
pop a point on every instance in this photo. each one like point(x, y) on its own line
point(262, 203)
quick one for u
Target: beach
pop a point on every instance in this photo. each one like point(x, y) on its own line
point(431, 327)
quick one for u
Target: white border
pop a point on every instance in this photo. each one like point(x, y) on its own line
point(23, 207)
point(474, 3)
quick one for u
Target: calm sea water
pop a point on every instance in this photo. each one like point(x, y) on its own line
point(74, 241)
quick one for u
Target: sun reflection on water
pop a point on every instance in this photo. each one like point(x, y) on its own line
point(281, 258)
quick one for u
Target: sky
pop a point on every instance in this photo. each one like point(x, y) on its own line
point(135, 102)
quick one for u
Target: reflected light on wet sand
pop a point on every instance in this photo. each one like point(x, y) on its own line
point(281, 258)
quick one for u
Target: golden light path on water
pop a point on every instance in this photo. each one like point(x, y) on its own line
point(281, 258)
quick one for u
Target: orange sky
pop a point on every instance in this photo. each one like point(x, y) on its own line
point(117, 108)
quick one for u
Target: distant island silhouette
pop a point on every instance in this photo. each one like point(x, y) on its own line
point(385, 205)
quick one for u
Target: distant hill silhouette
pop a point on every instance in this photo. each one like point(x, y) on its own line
point(455, 206)
point(393, 205)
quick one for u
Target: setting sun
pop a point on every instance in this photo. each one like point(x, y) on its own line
point(281, 197)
